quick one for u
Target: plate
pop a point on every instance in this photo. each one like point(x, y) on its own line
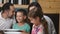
point(12, 32)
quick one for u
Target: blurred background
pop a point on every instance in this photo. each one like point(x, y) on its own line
point(50, 8)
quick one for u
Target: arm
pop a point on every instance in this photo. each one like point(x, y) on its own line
point(50, 25)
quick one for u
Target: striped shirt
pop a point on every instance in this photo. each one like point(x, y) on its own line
point(5, 23)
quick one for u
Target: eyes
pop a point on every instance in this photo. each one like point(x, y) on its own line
point(31, 19)
point(18, 16)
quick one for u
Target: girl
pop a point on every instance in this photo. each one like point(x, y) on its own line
point(21, 24)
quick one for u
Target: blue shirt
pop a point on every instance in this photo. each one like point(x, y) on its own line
point(25, 27)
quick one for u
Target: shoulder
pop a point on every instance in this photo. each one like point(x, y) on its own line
point(48, 19)
point(27, 25)
point(15, 24)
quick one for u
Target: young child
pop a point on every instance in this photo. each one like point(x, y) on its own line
point(35, 18)
point(21, 24)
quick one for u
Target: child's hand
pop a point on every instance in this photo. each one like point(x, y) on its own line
point(21, 31)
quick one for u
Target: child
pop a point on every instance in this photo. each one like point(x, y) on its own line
point(35, 18)
point(21, 24)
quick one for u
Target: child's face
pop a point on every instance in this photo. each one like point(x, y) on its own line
point(34, 20)
point(20, 17)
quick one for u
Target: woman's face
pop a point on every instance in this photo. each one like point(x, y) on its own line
point(20, 17)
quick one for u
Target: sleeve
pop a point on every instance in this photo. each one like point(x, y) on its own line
point(14, 21)
point(28, 28)
point(52, 27)
point(13, 26)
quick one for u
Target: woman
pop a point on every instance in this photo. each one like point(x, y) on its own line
point(46, 21)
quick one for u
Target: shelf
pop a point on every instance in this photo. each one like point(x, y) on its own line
point(44, 11)
point(17, 6)
point(21, 6)
point(51, 12)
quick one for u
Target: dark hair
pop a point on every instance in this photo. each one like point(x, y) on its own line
point(38, 8)
point(38, 13)
point(22, 10)
point(34, 14)
point(36, 4)
point(6, 6)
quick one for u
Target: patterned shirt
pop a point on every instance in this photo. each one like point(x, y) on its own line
point(38, 29)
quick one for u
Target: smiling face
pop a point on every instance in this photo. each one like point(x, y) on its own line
point(20, 17)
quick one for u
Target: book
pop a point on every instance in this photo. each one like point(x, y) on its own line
point(7, 0)
point(15, 1)
point(20, 2)
point(34, 0)
point(11, 1)
point(25, 2)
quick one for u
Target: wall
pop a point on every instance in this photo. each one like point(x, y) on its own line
point(59, 23)
point(50, 6)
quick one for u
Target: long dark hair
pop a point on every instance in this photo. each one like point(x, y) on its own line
point(38, 13)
